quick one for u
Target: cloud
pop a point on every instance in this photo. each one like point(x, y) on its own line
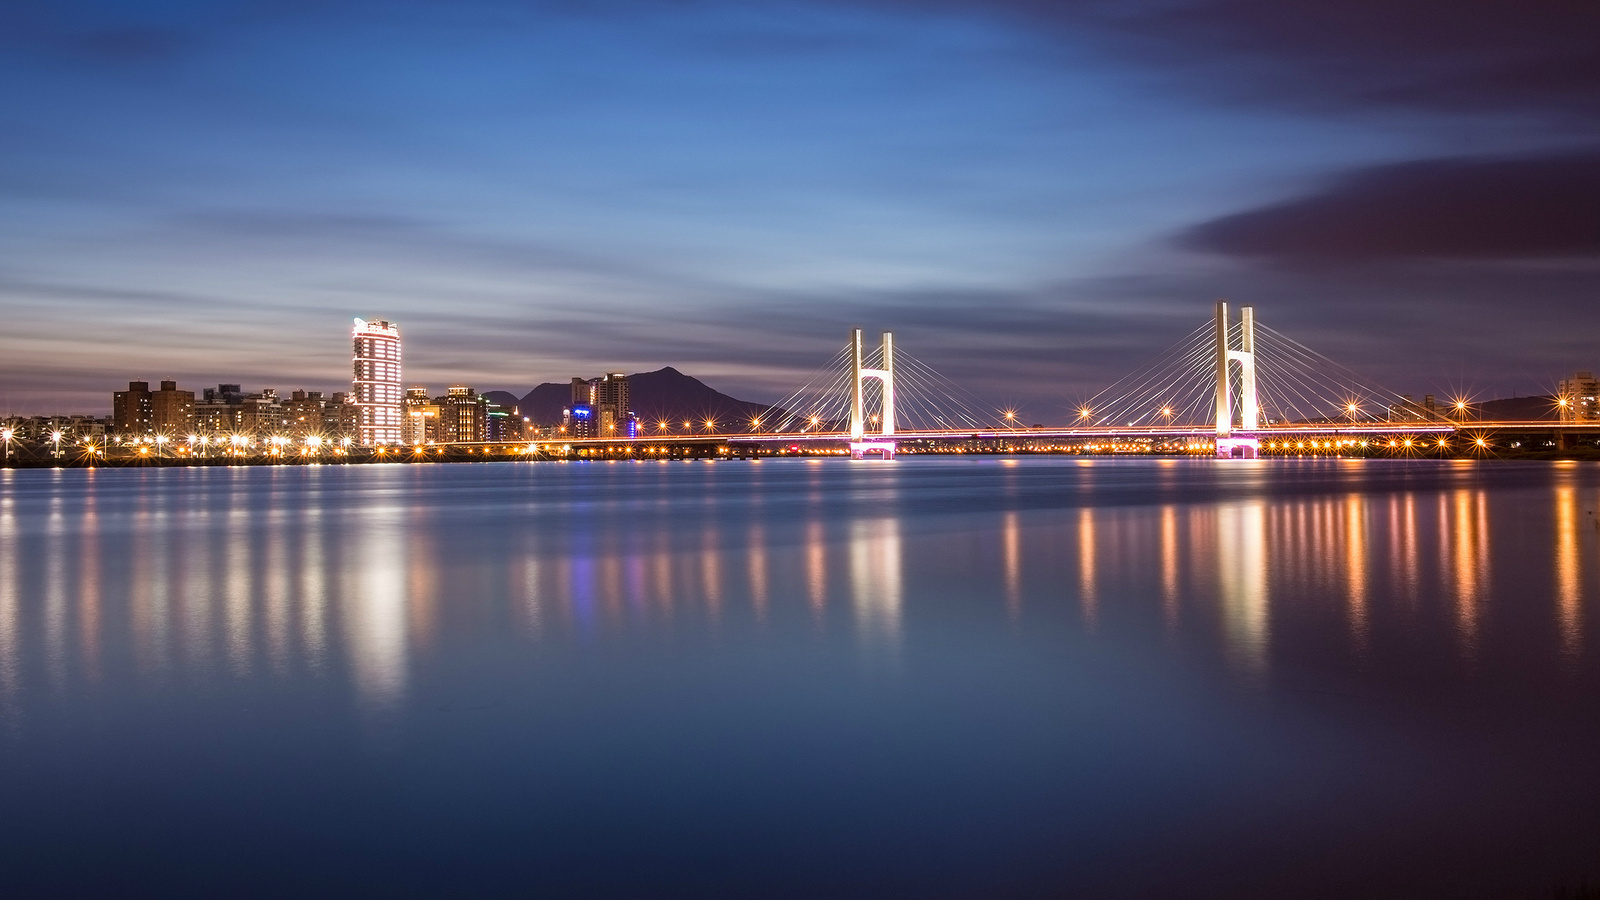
point(1440, 55)
point(1461, 209)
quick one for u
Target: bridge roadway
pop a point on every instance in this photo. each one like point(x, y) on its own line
point(1128, 432)
point(1377, 430)
point(1208, 432)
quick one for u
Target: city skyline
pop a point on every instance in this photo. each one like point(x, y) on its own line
point(540, 190)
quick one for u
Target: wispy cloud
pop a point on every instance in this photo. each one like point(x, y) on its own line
point(1545, 206)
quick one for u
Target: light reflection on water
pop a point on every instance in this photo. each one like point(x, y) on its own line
point(383, 585)
point(264, 588)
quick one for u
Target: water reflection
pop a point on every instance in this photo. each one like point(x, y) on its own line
point(1242, 569)
point(1568, 578)
point(1169, 567)
point(375, 616)
point(1011, 561)
point(876, 578)
point(1355, 542)
point(1088, 598)
point(816, 568)
point(1464, 533)
point(235, 575)
point(10, 591)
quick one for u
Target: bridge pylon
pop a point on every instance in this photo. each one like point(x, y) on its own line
point(1241, 444)
point(861, 444)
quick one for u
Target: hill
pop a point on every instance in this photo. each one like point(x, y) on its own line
point(1517, 409)
point(662, 395)
point(503, 398)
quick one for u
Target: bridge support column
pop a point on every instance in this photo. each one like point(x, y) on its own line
point(882, 444)
point(1243, 444)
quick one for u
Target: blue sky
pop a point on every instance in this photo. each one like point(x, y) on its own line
point(1027, 194)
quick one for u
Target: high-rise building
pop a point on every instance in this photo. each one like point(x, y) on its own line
point(606, 402)
point(502, 424)
point(375, 386)
point(303, 412)
point(139, 410)
point(577, 421)
point(216, 412)
point(1578, 399)
point(421, 422)
point(130, 409)
point(461, 415)
point(611, 404)
point(172, 410)
point(340, 417)
point(264, 415)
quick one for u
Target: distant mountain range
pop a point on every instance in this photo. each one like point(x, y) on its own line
point(1517, 409)
point(663, 395)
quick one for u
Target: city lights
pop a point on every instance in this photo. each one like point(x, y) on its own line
point(176, 425)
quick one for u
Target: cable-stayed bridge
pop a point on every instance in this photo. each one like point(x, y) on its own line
point(1232, 387)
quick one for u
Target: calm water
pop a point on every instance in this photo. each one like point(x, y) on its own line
point(934, 677)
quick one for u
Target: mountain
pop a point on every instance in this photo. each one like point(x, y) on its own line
point(502, 398)
point(1517, 409)
point(663, 395)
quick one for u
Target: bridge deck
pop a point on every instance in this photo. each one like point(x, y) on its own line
point(1365, 429)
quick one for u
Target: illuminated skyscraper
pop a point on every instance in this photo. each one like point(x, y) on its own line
point(606, 401)
point(376, 385)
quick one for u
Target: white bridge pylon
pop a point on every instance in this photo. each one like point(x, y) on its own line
point(1243, 444)
point(881, 444)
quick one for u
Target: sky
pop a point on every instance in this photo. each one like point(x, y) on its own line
point(1035, 197)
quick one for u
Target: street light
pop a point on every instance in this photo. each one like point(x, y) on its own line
point(55, 438)
point(5, 435)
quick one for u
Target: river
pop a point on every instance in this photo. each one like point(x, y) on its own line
point(935, 677)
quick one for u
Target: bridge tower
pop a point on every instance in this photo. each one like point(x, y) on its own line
point(1241, 444)
point(881, 444)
